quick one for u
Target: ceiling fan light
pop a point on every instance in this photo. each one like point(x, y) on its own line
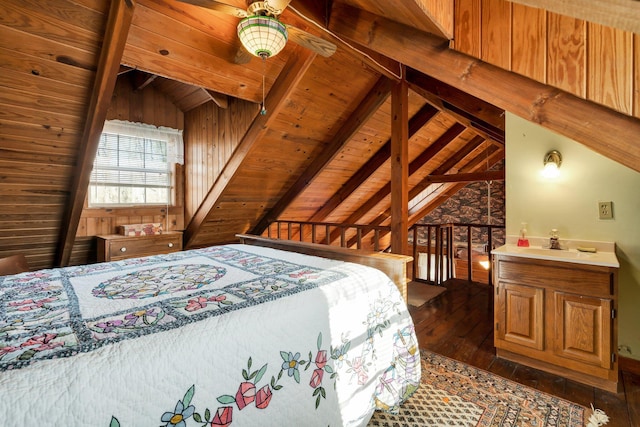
point(262, 36)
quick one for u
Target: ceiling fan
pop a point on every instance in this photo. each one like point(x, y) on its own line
point(261, 32)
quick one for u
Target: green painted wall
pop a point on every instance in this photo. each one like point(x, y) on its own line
point(570, 204)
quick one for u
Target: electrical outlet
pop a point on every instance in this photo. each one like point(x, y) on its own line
point(605, 210)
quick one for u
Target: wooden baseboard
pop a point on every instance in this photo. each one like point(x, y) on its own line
point(629, 365)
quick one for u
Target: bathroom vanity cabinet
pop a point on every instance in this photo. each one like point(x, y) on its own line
point(558, 316)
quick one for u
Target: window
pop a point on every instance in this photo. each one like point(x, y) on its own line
point(133, 165)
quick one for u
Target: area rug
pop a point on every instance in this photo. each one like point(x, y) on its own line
point(419, 294)
point(452, 393)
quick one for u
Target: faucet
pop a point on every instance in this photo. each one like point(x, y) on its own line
point(554, 241)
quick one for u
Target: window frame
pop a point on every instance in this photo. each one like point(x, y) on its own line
point(173, 144)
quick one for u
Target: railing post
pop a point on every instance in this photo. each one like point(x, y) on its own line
point(414, 271)
point(449, 251)
point(469, 257)
point(444, 231)
point(438, 255)
point(490, 243)
point(429, 238)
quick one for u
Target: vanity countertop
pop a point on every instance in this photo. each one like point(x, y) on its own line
point(604, 256)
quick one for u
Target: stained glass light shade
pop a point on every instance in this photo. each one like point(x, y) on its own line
point(262, 36)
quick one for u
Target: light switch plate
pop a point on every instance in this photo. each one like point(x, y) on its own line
point(605, 210)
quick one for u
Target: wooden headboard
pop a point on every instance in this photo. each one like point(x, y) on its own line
point(393, 265)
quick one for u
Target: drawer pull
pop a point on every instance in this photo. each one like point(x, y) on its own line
point(123, 249)
point(170, 245)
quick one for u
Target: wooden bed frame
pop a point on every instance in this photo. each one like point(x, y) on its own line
point(393, 265)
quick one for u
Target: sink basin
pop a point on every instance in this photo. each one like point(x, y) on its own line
point(602, 258)
point(556, 253)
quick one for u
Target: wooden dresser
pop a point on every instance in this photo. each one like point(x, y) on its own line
point(559, 317)
point(115, 247)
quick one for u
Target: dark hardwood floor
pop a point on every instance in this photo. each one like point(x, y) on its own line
point(459, 324)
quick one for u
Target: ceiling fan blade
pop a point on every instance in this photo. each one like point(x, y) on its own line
point(316, 44)
point(219, 6)
point(278, 5)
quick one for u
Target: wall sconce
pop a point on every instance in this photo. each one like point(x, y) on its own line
point(552, 161)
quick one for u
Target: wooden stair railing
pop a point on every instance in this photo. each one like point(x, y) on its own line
point(435, 241)
point(438, 242)
point(318, 232)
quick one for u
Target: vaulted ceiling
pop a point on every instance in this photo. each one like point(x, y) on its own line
point(323, 150)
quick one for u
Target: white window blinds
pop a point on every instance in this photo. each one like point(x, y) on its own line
point(133, 165)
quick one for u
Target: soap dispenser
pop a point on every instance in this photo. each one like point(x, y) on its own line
point(522, 239)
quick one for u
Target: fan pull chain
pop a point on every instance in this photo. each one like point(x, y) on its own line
point(263, 109)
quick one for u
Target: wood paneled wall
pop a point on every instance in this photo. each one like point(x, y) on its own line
point(47, 67)
point(589, 60)
point(148, 106)
point(211, 135)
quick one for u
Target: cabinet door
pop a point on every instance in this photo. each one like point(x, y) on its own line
point(583, 328)
point(520, 315)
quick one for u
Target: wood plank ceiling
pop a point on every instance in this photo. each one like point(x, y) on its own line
point(322, 151)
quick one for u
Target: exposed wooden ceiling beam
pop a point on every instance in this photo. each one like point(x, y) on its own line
point(467, 177)
point(445, 139)
point(124, 69)
point(493, 155)
point(316, 10)
point(433, 149)
point(622, 14)
point(399, 167)
point(382, 64)
point(424, 19)
point(297, 64)
point(367, 108)
point(220, 99)
point(584, 121)
point(487, 132)
point(489, 157)
point(421, 118)
point(441, 170)
point(140, 80)
point(451, 162)
point(472, 111)
point(416, 164)
point(318, 13)
point(117, 29)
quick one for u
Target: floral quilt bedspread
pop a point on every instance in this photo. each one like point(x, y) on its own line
point(227, 335)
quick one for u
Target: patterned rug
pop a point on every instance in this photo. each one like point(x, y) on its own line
point(452, 393)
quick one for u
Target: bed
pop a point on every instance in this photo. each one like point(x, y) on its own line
point(256, 333)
